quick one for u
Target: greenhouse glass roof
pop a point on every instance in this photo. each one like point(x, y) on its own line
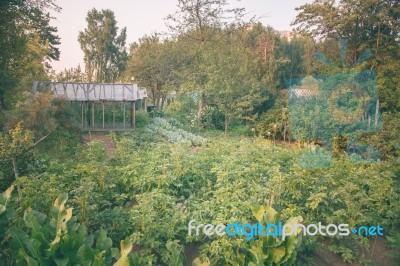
point(73, 91)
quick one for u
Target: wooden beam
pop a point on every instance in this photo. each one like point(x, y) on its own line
point(83, 121)
point(113, 113)
point(92, 114)
point(124, 113)
point(133, 114)
point(102, 104)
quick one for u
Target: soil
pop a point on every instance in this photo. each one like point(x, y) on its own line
point(101, 136)
point(323, 257)
point(379, 256)
point(191, 252)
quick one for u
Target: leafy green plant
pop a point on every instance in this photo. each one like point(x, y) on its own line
point(262, 250)
point(62, 241)
point(393, 241)
point(169, 129)
point(7, 212)
point(142, 119)
point(272, 250)
point(175, 256)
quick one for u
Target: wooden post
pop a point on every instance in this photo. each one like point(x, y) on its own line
point(83, 121)
point(124, 113)
point(133, 114)
point(92, 114)
point(102, 102)
point(113, 112)
point(87, 114)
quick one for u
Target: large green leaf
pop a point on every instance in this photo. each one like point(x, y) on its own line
point(33, 246)
point(126, 248)
point(59, 222)
point(103, 242)
point(19, 236)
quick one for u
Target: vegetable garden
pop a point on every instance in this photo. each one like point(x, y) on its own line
point(140, 200)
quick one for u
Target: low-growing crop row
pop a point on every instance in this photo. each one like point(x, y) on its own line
point(169, 129)
point(150, 193)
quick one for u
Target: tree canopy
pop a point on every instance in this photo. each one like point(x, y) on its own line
point(103, 47)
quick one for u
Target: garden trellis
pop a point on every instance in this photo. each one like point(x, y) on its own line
point(100, 106)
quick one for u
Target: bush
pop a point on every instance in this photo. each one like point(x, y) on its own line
point(242, 130)
point(60, 240)
point(183, 108)
point(168, 128)
point(213, 118)
point(142, 119)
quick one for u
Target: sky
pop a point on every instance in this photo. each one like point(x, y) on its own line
point(142, 17)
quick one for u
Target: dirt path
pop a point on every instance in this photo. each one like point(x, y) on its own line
point(103, 137)
point(379, 256)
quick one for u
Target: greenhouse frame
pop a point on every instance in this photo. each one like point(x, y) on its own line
point(100, 106)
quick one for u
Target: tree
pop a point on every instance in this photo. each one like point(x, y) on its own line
point(104, 50)
point(73, 74)
point(197, 17)
point(373, 24)
point(199, 23)
point(232, 84)
point(27, 41)
point(30, 123)
point(156, 65)
point(369, 24)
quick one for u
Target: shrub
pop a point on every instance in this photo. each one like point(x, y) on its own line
point(142, 119)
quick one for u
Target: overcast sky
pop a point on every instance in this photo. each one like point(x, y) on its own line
point(142, 17)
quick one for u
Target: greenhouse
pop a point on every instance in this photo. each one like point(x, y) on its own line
point(100, 107)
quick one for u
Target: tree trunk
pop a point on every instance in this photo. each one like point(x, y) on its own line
point(154, 96)
point(202, 105)
point(377, 112)
point(226, 126)
point(15, 167)
point(163, 97)
point(284, 133)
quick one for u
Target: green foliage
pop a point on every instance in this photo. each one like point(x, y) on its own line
point(156, 64)
point(242, 130)
point(183, 108)
point(6, 212)
point(42, 114)
point(150, 190)
point(70, 75)
point(176, 256)
point(142, 119)
point(274, 124)
point(394, 243)
point(28, 42)
point(156, 112)
point(225, 75)
point(94, 153)
point(213, 118)
point(271, 250)
point(103, 47)
point(268, 250)
point(62, 241)
point(388, 138)
point(16, 142)
point(169, 130)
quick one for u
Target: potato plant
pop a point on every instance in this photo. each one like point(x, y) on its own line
point(149, 193)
